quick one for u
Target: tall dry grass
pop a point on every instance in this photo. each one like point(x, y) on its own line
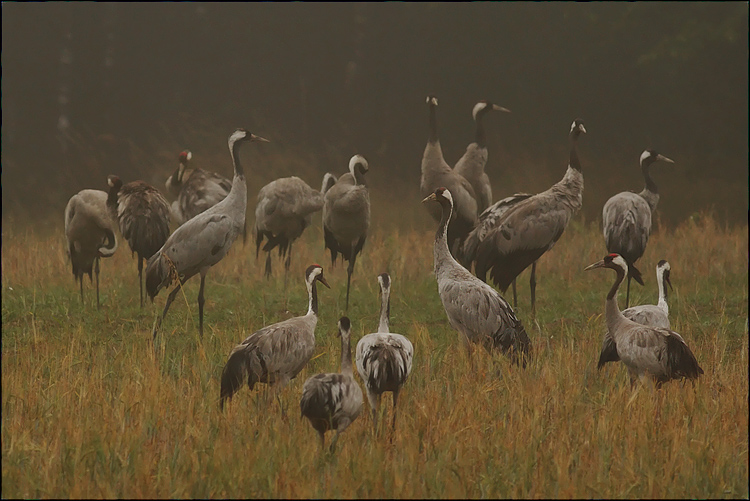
point(91, 409)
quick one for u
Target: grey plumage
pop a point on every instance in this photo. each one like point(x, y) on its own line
point(471, 164)
point(474, 309)
point(204, 240)
point(647, 352)
point(626, 217)
point(142, 214)
point(346, 216)
point(437, 173)
point(518, 230)
point(648, 314)
point(276, 353)
point(332, 401)
point(283, 211)
point(383, 358)
point(89, 233)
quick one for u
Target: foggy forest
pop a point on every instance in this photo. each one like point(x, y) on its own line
point(91, 89)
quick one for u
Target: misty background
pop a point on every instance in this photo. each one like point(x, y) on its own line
point(91, 89)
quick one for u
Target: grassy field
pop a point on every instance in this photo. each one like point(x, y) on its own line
point(91, 409)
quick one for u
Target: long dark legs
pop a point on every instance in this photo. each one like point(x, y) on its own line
point(201, 301)
point(627, 296)
point(349, 271)
point(532, 285)
point(515, 297)
point(171, 297)
point(140, 276)
point(96, 271)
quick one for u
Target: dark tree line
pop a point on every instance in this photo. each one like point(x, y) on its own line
point(86, 84)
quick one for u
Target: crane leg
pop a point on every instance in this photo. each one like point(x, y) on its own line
point(515, 297)
point(140, 277)
point(532, 285)
point(349, 271)
point(201, 301)
point(627, 295)
point(395, 398)
point(170, 298)
point(268, 264)
point(374, 404)
point(80, 279)
point(96, 271)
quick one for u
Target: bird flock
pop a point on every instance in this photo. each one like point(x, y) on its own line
point(473, 233)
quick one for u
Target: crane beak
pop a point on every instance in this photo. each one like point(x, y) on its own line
point(582, 128)
point(323, 281)
point(500, 108)
point(428, 198)
point(600, 264)
point(253, 137)
point(664, 159)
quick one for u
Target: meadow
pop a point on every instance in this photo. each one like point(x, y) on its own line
point(91, 408)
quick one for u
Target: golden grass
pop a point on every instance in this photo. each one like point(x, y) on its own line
point(90, 409)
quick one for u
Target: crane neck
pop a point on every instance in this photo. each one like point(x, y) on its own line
point(574, 162)
point(442, 254)
point(433, 125)
point(650, 184)
point(385, 312)
point(481, 136)
point(612, 310)
point(312, 292)
point(662, 283)
point(346, 354)
point(234, 150)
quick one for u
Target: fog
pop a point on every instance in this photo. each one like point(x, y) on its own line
point(90, 89)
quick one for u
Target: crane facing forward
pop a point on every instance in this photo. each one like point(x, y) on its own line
point(332, 401)
point(626, 218)
point(204, 240)
point(647, 352)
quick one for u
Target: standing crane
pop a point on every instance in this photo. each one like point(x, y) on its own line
point(90, 234)
point(437, 173)
point(471, 165)
point(284, 209)
point(333, 401)
point(276, 353)
point(648, 314)
point(515, 232)
point(383, 358)
point(474, 309)
point(648, 352)
point(142, 214)
point(346, 216)
point(626, 218)
point(204, 240)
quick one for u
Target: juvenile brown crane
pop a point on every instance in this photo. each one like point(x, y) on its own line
point(626, 218)
point(383, 358)
point(142, 214)
point(276, 353)
point(476, 310)
point(648, 352)
point(90, 234)
point(346, 216)
point(204, 240)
